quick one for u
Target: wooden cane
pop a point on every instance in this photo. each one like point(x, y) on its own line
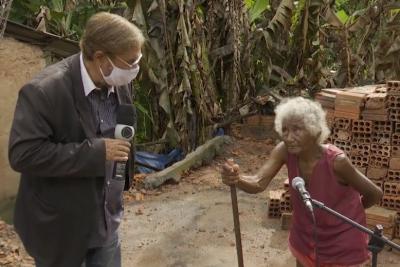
point(237, 225)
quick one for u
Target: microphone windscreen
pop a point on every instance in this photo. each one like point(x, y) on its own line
point(126, 114)
point(297, 181)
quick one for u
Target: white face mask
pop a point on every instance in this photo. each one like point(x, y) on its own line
point(119, 76)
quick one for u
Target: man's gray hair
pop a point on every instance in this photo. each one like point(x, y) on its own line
point(111, 34)
point(311, 112)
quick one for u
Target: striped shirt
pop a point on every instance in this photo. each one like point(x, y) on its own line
point(103, 104)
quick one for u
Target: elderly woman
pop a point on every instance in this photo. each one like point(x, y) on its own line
point(329, 177)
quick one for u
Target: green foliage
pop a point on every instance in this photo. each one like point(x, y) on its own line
point(199, 57)
point(145, 122)
point(65, 18)
point(256, 8)
point(342, 15)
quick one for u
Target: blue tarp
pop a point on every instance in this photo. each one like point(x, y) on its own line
point(149, 162)
point(156, 161)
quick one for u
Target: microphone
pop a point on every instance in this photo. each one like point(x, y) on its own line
point(299, 185)
point(124, 130)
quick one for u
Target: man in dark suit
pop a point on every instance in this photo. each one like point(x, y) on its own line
point(69, 205)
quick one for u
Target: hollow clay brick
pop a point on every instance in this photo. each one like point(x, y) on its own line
point(361, 126)
point(382, 126)
point(380, 150)
point(394, 164)
point(376, 173)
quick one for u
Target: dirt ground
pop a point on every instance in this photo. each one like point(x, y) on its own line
point(190, 224)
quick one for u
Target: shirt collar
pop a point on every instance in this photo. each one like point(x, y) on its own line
point(88, 84)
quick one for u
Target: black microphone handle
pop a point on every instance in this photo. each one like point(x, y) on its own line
point(120, 171)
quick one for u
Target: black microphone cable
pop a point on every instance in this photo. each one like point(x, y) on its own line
point(315, 237)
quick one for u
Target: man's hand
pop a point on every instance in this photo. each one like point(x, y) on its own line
point(117, 150)
point(230, 172)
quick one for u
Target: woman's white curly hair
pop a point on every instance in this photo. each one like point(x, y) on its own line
point(309, 111)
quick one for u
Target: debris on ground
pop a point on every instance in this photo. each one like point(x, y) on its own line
point(12, 253)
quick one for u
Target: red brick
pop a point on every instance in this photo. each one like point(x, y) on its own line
point(396, 151)
point(390, 202)
point(378, 161)
point(343, 145)
point(350, 98)
point(378, 215)
point(374, 117)
point(342, 123)
point(393, 175)
point(351, 108)
point(333, 91)
point(274, 209)
point(360, 161)
point(326, 103)
point(341, 135)
point(394, 84)
point(381, 88)
point(376, 101)
point(394, 164)
point(393, 91)
point(286, 185)
point(380, 150)
point(286, 221)
point(285, 204)
point(361, 126)
point(394, 114)
point(349, 115)
point(375, 112)
point(366, 89)
point(362, 138)
point(394, 101)
point(395, 139)
point(393, 88)
point(382, 126)
point(377, 173)
point(325, 96)
point(360, 150)
point(391, 188)
point(381, 138)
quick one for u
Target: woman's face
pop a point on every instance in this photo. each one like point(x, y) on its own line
point(296, 136)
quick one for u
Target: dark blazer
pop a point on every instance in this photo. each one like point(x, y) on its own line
point(62, 164)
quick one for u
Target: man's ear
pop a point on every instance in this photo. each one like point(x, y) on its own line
point(99, 56)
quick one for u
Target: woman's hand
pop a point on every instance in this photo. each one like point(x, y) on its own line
point(230, 172)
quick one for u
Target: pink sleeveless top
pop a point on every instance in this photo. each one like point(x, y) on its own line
point(338, 241)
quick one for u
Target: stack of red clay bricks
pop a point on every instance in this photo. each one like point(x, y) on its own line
point(274, 207)
point(285, 205)
point(279, 201)
point(280, 206)
point(387, 218)
point(366, 126)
